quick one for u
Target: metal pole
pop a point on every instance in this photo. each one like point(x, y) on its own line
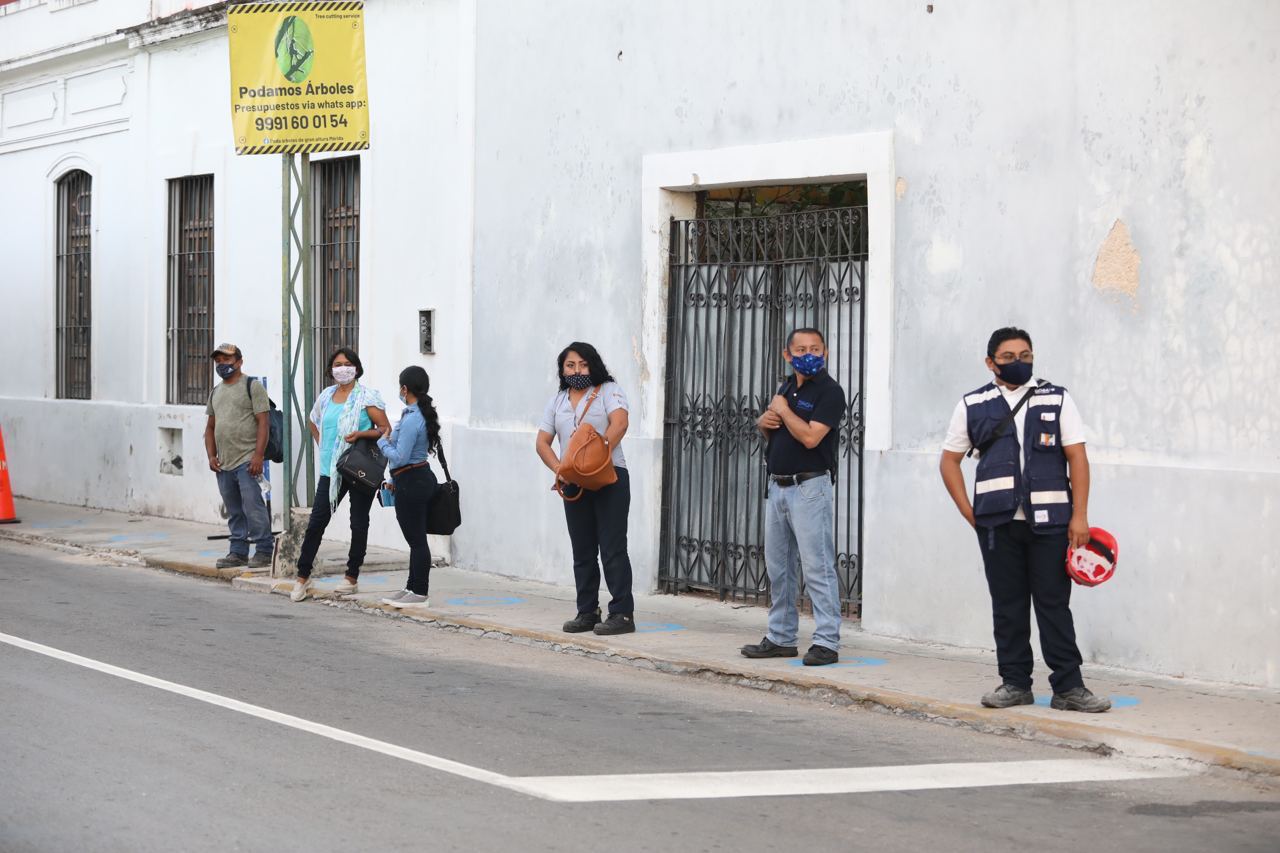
point(308, 304)
point(286, 336)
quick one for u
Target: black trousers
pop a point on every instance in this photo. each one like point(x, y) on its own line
point(414, 490)
point(321, 512)
point(1026, 569)
point(598, 525)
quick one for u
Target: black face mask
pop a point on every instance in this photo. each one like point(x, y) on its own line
point(1016, 374)
point(578, 381)
point(225, 370)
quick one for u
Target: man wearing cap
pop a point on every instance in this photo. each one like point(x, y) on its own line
point(1030, 502)
point(236, 440)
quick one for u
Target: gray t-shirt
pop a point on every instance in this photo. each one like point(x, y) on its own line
point(235, 427)
point(559, 417)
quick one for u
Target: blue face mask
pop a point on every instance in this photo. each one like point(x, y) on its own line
point(225, 370)
point(579, 381)
point(1016, 374)
point(808, 364)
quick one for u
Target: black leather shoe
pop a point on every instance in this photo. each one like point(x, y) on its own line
point(820, 656)
point(767, 648)
point(582, 622)
point(617, 623)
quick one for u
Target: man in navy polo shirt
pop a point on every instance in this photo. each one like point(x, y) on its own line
point(801, 429)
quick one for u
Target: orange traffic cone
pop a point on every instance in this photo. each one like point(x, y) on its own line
point(6, 494)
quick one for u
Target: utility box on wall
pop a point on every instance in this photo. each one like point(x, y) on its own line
point(427, 332)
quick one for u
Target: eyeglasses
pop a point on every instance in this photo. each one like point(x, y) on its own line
point(1009, 358)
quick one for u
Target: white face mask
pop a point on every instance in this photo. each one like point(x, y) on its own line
point(345, 374)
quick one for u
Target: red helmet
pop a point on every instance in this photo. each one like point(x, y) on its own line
point(1096, 561)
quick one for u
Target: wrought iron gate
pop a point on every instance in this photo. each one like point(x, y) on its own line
point(738, 286)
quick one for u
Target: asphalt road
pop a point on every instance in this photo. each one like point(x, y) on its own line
point(90, 760)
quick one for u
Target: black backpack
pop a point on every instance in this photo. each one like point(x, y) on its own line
point(275, 435)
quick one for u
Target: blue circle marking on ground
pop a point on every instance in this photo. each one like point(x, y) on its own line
point(846, 663)
point(474, 600)
point(657, 627)
point(1117, 701)
point(211, 553)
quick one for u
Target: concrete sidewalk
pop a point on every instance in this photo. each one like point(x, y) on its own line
point(162, 543)
point(1215, 725)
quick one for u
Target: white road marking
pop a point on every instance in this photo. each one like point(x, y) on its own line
point(835, 780)
point(668, 786)
point(434, 762)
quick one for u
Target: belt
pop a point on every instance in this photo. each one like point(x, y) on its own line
point(398, 471)
point(795, 479)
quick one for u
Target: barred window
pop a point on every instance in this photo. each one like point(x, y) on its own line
point(336, 209)
point(190, 315)
point(74, 253)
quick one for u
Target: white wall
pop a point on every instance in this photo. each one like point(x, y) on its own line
point(172, 120)
point(505, 189)
point(1019, 139)
point(31, 27)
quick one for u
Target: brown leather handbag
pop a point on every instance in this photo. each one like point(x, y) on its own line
point(588, 460)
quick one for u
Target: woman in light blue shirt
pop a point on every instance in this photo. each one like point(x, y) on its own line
point(406, 449)
point(597, 520)
point(343, 413)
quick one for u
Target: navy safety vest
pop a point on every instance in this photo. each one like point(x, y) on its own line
point(1040, 484)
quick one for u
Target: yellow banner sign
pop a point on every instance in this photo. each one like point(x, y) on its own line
point(297, 77)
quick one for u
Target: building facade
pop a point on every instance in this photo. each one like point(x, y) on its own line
point(1101, 174)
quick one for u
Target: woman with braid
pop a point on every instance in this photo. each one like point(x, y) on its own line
point(406, 449)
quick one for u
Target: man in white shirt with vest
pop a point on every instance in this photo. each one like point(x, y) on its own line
point(1031, 498)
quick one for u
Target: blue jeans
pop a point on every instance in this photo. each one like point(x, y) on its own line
point(800, 528)
point(247, 516)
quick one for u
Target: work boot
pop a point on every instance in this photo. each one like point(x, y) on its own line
point(1007, 695)
point(260, 561)
point(767, 648)
point(1080, 699)
point(820, 656)
point(232, 561)
point(617, 623)
point(582, 623)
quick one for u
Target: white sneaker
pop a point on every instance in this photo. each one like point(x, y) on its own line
point(301, 589)
point(410, 599)
point(345, 588)
point(395, 596)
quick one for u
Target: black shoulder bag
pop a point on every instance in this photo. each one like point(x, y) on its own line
point(999, 432)
point(444, 515)
point(363, 463)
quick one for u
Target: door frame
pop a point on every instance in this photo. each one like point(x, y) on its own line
point(668, 184)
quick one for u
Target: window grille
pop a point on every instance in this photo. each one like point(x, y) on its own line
point(336, 243)
point(74, 255)
point(190, 316)
point(738, 286)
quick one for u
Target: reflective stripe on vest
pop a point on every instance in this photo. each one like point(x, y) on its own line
point(1034, 476)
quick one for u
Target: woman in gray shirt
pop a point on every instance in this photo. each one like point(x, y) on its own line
point(597, 521)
